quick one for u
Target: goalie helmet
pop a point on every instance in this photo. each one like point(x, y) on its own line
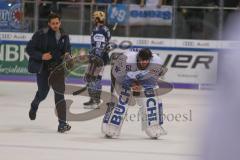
point(143, 58)
point(99, 16)
point(144, 54)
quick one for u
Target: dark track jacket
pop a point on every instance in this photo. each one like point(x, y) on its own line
point(44, 41)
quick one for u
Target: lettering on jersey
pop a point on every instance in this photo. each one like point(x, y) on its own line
point(120, 109)
point(99, 38)
point(117, 69)
point(128, 67)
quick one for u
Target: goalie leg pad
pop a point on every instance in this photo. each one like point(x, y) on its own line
point(151, 111)
point(115, 115)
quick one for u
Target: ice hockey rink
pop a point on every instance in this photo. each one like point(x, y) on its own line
point(20, 138)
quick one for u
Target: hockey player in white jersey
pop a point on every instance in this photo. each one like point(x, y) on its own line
point(133, 72)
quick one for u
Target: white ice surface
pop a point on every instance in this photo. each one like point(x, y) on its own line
point(23, 139)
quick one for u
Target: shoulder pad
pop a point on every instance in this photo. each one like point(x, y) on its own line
point(156, 59)
point(105, 28)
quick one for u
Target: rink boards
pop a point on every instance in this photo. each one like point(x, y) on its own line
point(192, 64)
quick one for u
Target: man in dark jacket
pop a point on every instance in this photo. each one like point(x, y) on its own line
point(47, 50)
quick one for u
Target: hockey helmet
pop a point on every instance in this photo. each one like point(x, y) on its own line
point(100, 15)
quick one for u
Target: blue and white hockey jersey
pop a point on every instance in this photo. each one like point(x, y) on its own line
point(100, 38)
point(125, 68)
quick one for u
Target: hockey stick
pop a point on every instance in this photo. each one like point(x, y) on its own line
point(80, 91)
point(77, 59)
point(115, 26)
point(91, 69)
point(112, 78)
point(111, 104)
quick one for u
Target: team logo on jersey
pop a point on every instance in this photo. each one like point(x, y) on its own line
point(128, 67)
point(99, 38)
